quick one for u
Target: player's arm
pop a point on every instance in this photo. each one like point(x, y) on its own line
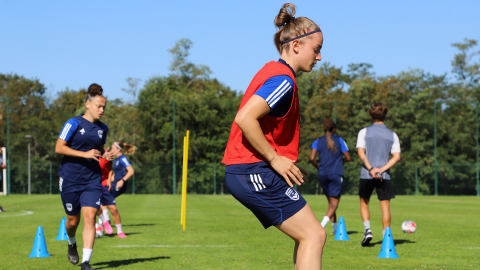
point(313, 160)
point(395, 153)
point(129, 174)
point(3, 166)
point(62, 149)
point(347, 158)
point(247, 119)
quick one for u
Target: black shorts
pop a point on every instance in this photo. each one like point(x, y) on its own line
point(383, 187)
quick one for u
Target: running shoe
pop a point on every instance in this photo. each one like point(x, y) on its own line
point(107, 227)
point(121, 235)
point(73, 254)
point(367, 238)
point(86, 266)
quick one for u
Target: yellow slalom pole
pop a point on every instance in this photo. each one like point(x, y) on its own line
point(186, 177)
point(183, 180)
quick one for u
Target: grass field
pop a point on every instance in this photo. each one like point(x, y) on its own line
point(222, 234)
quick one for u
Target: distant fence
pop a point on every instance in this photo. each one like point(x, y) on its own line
point(150, 178)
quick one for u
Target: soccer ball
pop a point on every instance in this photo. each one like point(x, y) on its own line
point(408, 226)
point(99, 231)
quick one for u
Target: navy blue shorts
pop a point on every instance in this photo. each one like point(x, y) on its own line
point(122, 190)
point(107, 197)
point(331, 184)
point(267, 195)
point(74, 201)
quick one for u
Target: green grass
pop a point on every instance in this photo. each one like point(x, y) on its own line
point(222, 234)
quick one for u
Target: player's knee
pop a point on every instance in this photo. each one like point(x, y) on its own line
point(73, 222)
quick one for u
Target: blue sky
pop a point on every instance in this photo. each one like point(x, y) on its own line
point(74, 43)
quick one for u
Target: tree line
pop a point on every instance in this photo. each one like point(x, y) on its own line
point(207, 108)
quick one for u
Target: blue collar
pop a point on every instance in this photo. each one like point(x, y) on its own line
point(286, 64)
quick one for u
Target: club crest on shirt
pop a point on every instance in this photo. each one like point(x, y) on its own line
point(293, 194)
point(69, 207)
point(82, 131)
point(100, 133)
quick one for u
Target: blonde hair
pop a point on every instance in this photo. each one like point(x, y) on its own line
point(290, 27)
point(126, 148)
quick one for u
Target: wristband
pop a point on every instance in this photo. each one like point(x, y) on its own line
point(369, 170)
point(123, 180)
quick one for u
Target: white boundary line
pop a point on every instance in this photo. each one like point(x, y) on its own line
point(25, 213)
point(472, 248)
point(171, 246)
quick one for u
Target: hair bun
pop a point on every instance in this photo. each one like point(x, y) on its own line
point(95, 90)
point(285, 15)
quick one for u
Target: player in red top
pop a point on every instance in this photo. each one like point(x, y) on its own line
point(264, 141)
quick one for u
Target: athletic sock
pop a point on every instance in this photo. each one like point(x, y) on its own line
point(87, 253)
point(100, 220)
point(71, 240)
point(334, 225)
point(383, 233)
point(325, 221)
point(366, 224)
point(105, 215)
point(119, 228)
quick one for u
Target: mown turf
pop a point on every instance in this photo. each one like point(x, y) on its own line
point(222, 234)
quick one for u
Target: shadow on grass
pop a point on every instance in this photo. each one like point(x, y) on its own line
point(396, 242)
point(132, 225)
point(120, 263)
point(352, 232)
point(114, 234)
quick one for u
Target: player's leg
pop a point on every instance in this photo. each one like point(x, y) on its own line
point(309, 237)
point(71, 204)
point(325, 183)
point(89, 215)
point(117, 220)
point(385, 193)
point(365, 192)
point(386, 216)
point(332, 208)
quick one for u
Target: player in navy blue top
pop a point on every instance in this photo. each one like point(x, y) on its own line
point(330, 149)
point(119, 175)
point(81, 142)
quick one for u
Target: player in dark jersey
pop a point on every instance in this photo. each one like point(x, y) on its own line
point(122, 171)
point(264, 141)
point(330, 171)
point(81, 142)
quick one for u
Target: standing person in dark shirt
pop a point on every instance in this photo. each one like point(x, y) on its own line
point(82, 141)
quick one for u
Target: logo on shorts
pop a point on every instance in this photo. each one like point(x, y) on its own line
point(100, 133)
point(69, 207)
point(82, 131)
point(113, 201)
point(98, 203)
point(341, 179)
point(293, 194)
point(60, 183)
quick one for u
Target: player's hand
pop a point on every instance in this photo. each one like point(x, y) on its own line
point(374, 173)
point(288, 170)
point(109, 184)
point(108, 155)
point(93, 154)
point(119, 184)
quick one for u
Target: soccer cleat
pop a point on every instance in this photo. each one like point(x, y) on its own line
point(86, 266)
point(72, 253)
point(121, 235)
point(107, 227)
point(367, 238)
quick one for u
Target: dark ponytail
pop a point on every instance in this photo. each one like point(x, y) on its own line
point(328, 127)
point(93, 91)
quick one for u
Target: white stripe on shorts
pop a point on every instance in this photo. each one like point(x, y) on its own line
point(253, 182)
point(261, 182)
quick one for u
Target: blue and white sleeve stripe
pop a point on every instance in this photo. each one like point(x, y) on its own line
point(68, 130)
point(275, 89)
point(125, 162)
